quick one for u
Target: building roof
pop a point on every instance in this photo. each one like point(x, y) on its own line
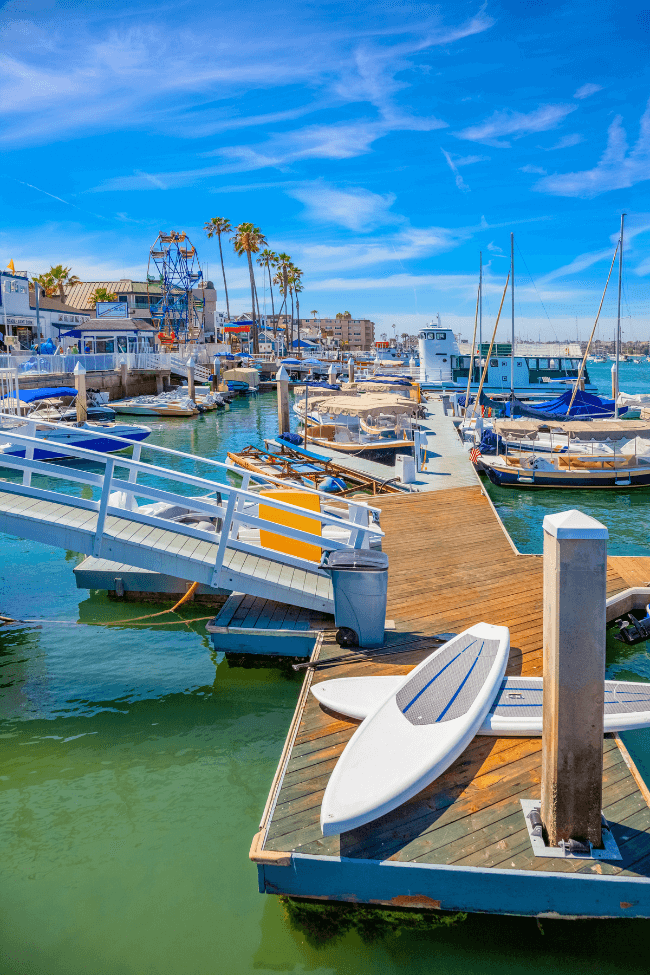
point(81, 294)
point(54, 304)
point(111, 325)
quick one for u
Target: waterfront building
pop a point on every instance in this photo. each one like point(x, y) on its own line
point(18, 319)
point(353, 334)
point(141, 297)
point(101, 335)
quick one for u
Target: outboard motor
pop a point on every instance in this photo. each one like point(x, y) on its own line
point(631, 630)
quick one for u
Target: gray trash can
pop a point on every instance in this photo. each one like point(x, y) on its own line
point(360, 584)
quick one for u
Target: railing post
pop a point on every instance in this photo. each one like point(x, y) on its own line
point(223, 541)
point(29, 453)
point(103, 505)
point(133, 476)
point(575, 588)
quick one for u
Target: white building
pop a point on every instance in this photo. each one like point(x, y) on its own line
point(18, 319)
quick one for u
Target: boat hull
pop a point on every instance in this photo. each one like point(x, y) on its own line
point(99, 441)
point(567, 480)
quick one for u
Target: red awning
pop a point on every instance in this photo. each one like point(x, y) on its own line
point(237, 328)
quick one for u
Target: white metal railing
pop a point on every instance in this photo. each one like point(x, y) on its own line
point(181, 365)
point(52, 365)
point(240, 509)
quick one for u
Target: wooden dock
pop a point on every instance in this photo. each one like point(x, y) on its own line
point(462, 843)
point(252, 625)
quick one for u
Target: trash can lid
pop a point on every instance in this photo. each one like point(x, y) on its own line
point(357, 560)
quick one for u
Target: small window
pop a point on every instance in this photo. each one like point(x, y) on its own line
point(121, 343)
point(554, 363)
point(494, 362)
point(441, 335)
point(431, 335)
point(567, 364)
point(543, 363)
point(532, 363)
point(504, 379)
point(519, 362)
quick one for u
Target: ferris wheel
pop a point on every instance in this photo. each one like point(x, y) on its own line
point(173, 277)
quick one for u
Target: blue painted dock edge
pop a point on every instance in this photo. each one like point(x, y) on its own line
point(448, 888)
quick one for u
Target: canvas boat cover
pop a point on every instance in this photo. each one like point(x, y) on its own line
point(598, 430)
point(364, 404)
point(45, 392)
point(584, 404)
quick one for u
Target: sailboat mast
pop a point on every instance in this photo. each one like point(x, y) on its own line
point(480, 303)
point(618, 316)
point(512, 293)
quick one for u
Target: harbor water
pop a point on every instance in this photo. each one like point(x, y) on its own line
point(135, 767)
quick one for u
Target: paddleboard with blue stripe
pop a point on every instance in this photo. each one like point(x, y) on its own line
point(417, 729)
point(517, 708)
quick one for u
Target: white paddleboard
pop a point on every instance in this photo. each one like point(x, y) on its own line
point(417, 731)
point(517, 708)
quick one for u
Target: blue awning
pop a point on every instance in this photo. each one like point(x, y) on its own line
point(46, 392)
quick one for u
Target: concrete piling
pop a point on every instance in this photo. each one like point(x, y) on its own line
point(282, 382)
point(350, 370)
point(124, 377)
point(575, 575)
point(80, 385)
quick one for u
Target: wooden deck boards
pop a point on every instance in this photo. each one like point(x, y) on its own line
point(451, 564)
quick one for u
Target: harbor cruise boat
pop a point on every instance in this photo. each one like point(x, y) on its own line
point(442, 367)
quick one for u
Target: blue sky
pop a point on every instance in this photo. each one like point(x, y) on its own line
point(382, 145)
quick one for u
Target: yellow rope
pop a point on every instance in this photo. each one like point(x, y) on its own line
point(149, 616)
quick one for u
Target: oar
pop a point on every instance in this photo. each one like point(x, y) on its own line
point(358, 656)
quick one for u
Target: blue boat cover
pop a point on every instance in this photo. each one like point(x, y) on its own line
point(584, 405)
point(46, 392)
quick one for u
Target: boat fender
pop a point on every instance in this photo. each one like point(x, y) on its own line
point(332, 485)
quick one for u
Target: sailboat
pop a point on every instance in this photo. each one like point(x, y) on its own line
point(443, 368)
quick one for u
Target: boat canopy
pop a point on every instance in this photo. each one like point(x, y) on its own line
point(365, 404)
point(598, 430)
point(46, 392)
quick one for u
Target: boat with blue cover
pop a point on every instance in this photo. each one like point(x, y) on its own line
point(96, 435)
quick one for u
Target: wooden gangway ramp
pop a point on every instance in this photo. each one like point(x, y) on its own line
point(462, 843)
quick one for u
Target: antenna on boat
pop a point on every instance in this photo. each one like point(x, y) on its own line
point(618, 316)
point(512, 292)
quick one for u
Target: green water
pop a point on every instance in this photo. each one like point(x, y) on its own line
point(135, 765)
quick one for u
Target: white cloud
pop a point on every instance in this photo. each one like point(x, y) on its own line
point(460, 182)
point(586, 90)
point(565, 142)
point(355, 208)
point(515, 124)
point(533, 169)
point(494, 249)
point(579, 263)
point(616, 169)
point(469, 160)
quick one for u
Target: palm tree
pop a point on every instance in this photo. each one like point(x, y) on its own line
point(61, 276)
point(247, 240)
point(284, 265)
point(295, 283)
point(101, 294)
point(219, 226)
point(314, 312)
point(47, 283)
point(269, 259)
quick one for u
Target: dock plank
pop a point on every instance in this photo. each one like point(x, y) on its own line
point(451, 564)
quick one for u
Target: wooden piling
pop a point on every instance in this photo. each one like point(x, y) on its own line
point(282, 380)
point(190, 378)
point(80, 385)
point(574, 595)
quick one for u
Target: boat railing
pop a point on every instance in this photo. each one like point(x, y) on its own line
point(235, 506)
